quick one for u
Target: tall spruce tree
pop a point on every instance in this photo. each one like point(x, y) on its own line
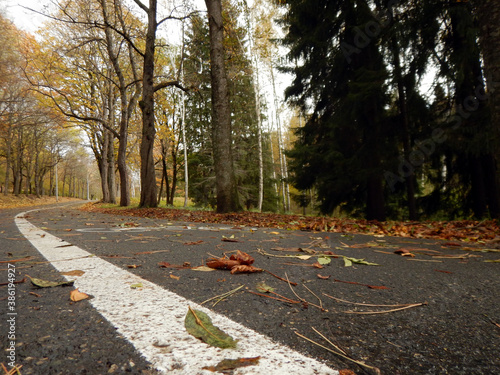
point(243, 115)
point(339, 84)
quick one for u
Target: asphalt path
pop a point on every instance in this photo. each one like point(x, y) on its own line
point(453, 332)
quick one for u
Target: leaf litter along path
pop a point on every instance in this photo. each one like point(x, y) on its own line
point(483, 232)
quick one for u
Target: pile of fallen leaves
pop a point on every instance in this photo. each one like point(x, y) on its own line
point(238, 263)
point(464, 230)
point(12, 201)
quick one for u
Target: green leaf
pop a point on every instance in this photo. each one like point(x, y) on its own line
point(324, 260)
point(49, 284)
point(349, 261)
point(200, 325)
point(264, 288)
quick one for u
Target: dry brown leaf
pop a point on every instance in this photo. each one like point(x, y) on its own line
point(404, 253)
point(133, 265)
point(243, 268)
point(222, 263)
point(242, 257)
point(76, 295)
point(323, 277)
point(174, 277)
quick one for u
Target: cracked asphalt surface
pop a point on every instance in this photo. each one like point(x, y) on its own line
point(454, 332)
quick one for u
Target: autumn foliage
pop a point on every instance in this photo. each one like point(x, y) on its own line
point(464, 230)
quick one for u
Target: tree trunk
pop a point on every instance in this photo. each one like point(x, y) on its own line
point(227, 193)
point(8, 157)
point(111, 170)
point(488, 13)
point(148, 176)
point(403, 115)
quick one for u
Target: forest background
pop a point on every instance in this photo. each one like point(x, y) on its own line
point(390, 113)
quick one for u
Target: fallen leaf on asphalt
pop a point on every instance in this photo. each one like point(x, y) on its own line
point(346, 372)
point(35, 294)
point(322, 277)
point(203, 269)
point(49, 284)
point(231, 364)
point(317, 265)
point(404, 253)
point(200, 325)
point(493, 261)
point(264, 288)
point(324, 260)
point(243, 268)
point(174, 277)
point(73, 273)
point(304, 257)
point(242, 257)
point(229, 239)
point(222, 263)
point(133, 265)
point(349, 261)
point(76, 295)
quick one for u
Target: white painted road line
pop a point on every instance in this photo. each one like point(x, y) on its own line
point(152, 318)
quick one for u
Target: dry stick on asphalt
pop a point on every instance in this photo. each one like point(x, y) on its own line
point(16, 260)
point(328, 341)
point(374, 369)
point(386, 311)
point(281, 298)
point(366, 304)
point(398, 307)
point(319, 299)
point(280, 278)
point(223, 296)
point(12, 371)
point(302, 299)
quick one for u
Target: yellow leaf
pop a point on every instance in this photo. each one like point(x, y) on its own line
point(304, 257)
point(76, 295)
point(174, 277)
